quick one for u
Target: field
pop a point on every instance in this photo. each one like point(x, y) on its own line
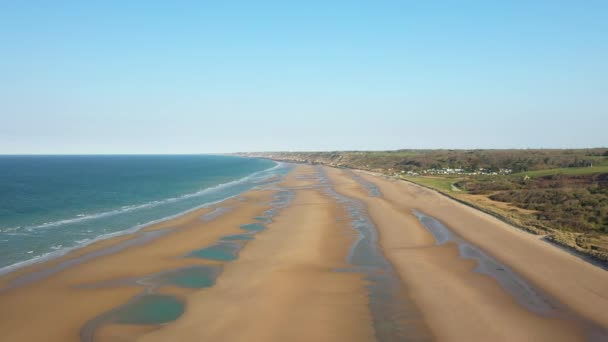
point(446, 184)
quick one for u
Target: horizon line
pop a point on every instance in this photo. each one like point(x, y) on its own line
point(303, 151)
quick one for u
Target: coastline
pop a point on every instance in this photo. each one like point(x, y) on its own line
point(30, 304)
point(51, 256)
point(286, 258)
point(236, 269)
point(291, 265)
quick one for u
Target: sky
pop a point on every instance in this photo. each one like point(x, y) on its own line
point(108, 77)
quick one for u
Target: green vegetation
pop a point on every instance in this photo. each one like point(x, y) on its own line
point(445, 184)
point(576, 203)
point(561, 194)
point(574, 171)
point(469, 160)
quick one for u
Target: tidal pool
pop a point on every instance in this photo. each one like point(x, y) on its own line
point(264, 219)
point(149, 309)
point(238, 237)
point(253, 227)
point(195, 277)
point(221, 251)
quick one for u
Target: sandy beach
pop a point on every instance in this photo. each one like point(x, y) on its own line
point(296, 279)
point(283, 287)
point(291, 264)
point(35, 304)
point(459, 303)
point(297, 171)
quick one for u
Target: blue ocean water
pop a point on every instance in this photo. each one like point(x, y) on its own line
point(52, 204)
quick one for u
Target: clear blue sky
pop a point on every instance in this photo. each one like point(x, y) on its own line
point(222, 76)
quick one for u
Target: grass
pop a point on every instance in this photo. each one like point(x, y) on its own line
point(439, 183)
point(570, 171)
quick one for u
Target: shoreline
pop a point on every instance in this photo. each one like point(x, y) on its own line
point(27, 304)
point(110, 283)
point(50, 256)
point(235, 271)
point(291, 265)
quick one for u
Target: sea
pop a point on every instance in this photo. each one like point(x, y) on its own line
point(50, 205)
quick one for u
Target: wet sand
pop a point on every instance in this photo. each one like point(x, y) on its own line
point(461, 304)
point(323, 255)
point(56, 307)
point(282, 285)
